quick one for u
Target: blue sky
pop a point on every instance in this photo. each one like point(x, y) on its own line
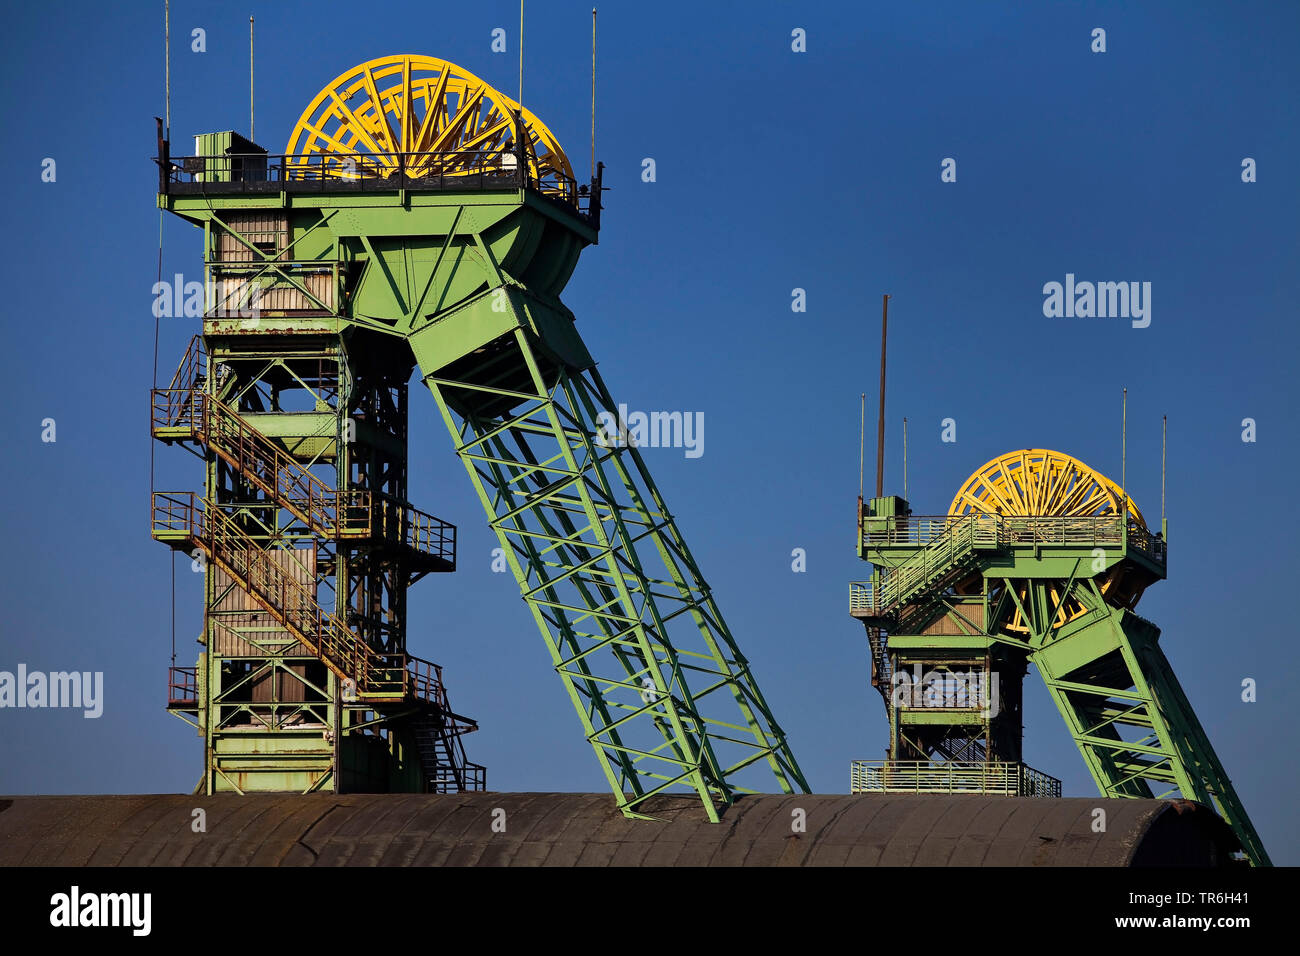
point(776, 170)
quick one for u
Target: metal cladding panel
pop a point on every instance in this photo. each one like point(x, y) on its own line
point(267, 230)
point(972, 623)
point(555, 829)
point(272, 294)
point(236, 611)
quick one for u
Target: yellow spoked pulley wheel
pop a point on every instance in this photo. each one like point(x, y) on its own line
point(422, 116)
point(1045, 483)
point(1036, 482)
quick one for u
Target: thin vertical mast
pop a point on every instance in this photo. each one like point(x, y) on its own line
point(904, 458)
point(862, 441)
point(880, 422)
point(167, 66)
point(1123, 452)
point(251, 134)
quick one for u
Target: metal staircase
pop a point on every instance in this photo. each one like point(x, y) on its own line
point(926, 572)
point(1057, 592)
point(186, 521)
point(442, 754)
point(185, 412)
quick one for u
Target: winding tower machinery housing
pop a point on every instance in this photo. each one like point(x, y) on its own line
point(1040, 559)
point(421, 222)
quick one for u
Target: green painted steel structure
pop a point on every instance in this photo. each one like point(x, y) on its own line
point(995, 593)
point(308, 547)
point(461, 278)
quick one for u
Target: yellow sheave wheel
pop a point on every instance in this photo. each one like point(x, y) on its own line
point(1039, 482)
point(423, 115)
point(1036, 481)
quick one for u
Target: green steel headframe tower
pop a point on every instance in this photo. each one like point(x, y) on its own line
point(1040, 560)
point(421, 219)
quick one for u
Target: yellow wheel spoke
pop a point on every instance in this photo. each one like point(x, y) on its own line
point(375, 108)
point(435, 113)
point(381, 115)
point(458, 121)
point(1040, 483)
point(478, 141)
point(353, 125)
point(407, 105)
point(1035, 482)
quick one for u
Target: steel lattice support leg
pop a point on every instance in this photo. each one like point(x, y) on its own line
point(1130, 719)
point(664, 694)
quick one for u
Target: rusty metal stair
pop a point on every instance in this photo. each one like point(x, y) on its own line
point(184, 520)
point(184, 411)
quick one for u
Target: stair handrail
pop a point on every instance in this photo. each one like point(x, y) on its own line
point(332, 513)
point(294, 604)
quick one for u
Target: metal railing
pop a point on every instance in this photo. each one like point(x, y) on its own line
point(467, 776)
point(938, 554)
point(350, 514)
point(461, 170)
point(293, 602)
point(211, 422)
point(1035, 783)
point(193, 367)
point(921, 776)
point(426, 680)
point(403, 525)
point(863, 599)
point(943, 541)
point(920, 530)
point(1152, 545)
point(909, 531)
point(182, 687)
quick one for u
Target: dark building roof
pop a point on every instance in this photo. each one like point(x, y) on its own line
point(566, 829)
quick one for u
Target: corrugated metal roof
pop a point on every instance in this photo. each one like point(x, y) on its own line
point(567, 829)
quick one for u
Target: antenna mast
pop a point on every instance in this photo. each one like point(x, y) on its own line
point(880, 422)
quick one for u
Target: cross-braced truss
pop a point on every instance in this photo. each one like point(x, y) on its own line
point(663, 692)
point(1124, 707)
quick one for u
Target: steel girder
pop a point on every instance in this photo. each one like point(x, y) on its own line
point(1058, 587)
point(1125, 709)
point(663, 693)
point(452, 275)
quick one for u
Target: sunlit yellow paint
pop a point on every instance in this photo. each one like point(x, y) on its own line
point(1036, 481)
point(415, 112)
point(1040, 482)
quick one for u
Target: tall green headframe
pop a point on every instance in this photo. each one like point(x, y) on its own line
point(1040, 560)
point(434, 222)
